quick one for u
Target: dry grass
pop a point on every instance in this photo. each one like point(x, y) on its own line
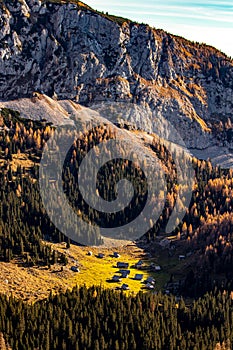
point(35, 283)
point(31, 283)
point(62, 2)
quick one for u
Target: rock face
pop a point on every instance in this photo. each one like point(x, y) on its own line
point(73, 52)
point(41, 107)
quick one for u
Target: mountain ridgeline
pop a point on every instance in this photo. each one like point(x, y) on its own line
point(68, 50)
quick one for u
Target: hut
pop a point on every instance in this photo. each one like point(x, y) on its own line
point(124, 273)
point(138, 277)
point(150, 280)
point(181, 257)
point(157, 268)
point(116, 278)
point(122, 265)
point(75, 269)
point(125, 286)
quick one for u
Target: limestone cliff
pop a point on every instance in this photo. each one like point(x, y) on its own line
point(68, 50)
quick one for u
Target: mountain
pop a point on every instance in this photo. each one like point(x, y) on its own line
point(58, 58)
point(68, 50)
point(40, 106)
point(64, 65)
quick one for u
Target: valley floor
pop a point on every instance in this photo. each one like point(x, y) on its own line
point(36, 283)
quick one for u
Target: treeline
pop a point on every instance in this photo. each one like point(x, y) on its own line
point(19, 135)
point(96, 319)
point(205, 230)
point(23, 221)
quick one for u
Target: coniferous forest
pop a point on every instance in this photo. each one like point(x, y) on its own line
point(95, 319)
point(99, 319)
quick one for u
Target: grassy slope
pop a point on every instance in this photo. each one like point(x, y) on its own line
point(37, 282)
point(99, 271)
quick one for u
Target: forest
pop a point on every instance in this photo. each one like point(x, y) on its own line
point(99, 319)
point(96, 319)
point(206, 228)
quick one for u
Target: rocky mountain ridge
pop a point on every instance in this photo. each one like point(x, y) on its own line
point(70, 51)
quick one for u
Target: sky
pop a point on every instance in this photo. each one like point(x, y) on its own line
point(210, 22)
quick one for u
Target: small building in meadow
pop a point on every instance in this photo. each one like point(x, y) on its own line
point(181, 257)
point(125, 286)
point(150, 280)
point(116, 278)
point(116, 255)
point(124, 273)
point(75, 269)
point(138, 277)
point(157, 268)
point(122, 265)
point(90, 253)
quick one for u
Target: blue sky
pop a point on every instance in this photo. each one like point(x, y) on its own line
point(210, 22)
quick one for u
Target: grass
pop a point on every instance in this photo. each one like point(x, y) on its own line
point(80, 4)
point(31, 284)
point(83, 6)
point(96, 271)
point(35, 283)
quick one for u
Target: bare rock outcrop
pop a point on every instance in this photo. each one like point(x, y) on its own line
point(73, 52)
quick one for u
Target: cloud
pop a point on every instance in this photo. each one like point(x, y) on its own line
point(176, 13)
point(209, 10)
